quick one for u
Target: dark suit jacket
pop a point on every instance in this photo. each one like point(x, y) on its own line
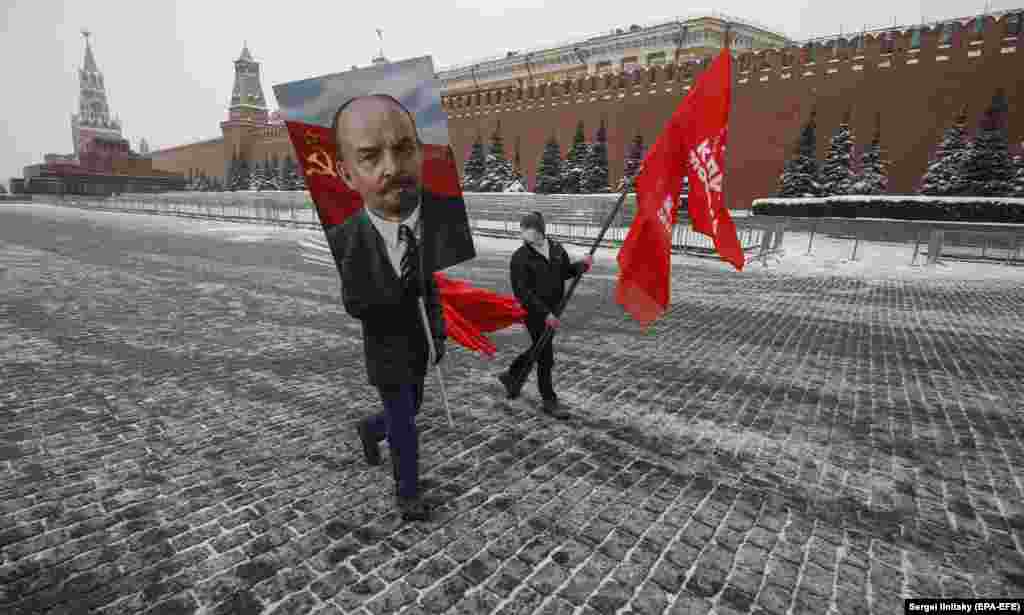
point(539, 283)
point(447, 238)
point(394, 341)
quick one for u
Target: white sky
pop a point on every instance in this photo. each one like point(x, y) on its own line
point(168, 65)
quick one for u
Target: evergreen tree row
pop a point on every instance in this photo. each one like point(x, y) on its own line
point(491, 171)
point(584, 169)
point(272, 174)
point(981, 166)
point(961, 166)
point(838, 174)
point(200, 182)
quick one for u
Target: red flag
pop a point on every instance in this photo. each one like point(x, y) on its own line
point(468, 311)
point(693, 141)
point(707, 131)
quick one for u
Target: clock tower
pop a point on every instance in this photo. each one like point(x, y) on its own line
point(247, 101)
point(93, 130)
point(248, 107)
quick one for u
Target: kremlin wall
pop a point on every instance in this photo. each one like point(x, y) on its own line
point(916, 78)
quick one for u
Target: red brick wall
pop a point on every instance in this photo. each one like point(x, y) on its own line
point(207, 156)
point(214, 156)
point(917, 103)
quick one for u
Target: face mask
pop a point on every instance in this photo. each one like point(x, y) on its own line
point(532, 235)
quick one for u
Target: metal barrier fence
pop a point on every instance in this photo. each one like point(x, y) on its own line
point(570, 226)
point(577, 219)
point(953, 240)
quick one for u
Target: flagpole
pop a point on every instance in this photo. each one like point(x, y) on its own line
point(519, 378)
point(433, 359)
point(732, 104)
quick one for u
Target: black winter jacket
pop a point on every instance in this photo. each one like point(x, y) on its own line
point(539, 284)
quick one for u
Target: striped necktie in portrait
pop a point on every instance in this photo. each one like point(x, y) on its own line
point(410, 260)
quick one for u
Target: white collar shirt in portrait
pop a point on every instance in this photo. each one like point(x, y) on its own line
point(389, 233)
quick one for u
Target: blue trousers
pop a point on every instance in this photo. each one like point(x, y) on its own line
point(398, 424)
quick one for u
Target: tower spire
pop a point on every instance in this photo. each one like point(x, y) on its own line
point(380, 59)
point(93, 119)
point(90, 61)
point(247, 100)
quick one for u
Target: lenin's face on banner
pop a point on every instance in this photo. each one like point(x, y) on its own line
point(380, 154)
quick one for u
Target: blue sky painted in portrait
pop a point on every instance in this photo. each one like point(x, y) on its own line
point(315, 100)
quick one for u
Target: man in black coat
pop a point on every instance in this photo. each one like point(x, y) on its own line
point(387, 253)
point(539, 270)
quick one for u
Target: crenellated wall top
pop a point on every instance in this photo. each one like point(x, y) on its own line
point(928, 42)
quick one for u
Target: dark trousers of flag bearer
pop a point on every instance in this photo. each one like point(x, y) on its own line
point(539, 270)
point(545, 363)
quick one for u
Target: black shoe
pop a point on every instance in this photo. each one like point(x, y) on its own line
point(553, 409)
point(371, 449)
point(506, 381)
point(412, 509)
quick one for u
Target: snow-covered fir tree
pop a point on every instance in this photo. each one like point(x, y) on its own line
point(549, 171)
point(271, 180)
point(242, 176)
point(987, 167)
point(274, 174)
point(874, 175)
point(634, 157)
point(519, 185)
point(595, 173)
point(289, 174)
point(1018, 177)
point(943, 177)
point(800, 176)
point(499, 173)
point(231, 172)
point(258, 176)
point(575, 162)
point(475, 167)
point(837, 174)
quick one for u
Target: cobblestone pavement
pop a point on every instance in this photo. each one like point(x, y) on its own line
point(176, 436)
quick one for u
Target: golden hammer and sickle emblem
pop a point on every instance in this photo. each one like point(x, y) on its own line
point(320, 162)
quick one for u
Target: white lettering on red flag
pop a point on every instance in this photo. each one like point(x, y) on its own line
point(704, 161)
